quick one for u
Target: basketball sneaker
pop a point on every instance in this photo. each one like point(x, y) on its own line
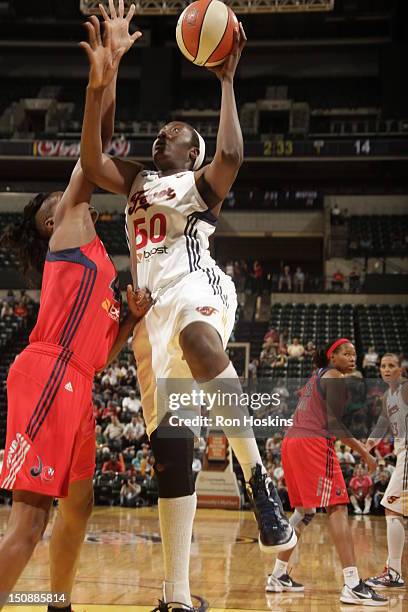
point(283, 583)
point(275, 531)
point(172, 606)
point(362, 595)
point(388, 579)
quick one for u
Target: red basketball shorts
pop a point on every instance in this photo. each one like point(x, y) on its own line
point(50, 424)
point(312, 473)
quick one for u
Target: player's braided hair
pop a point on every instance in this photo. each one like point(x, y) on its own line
point(25, 240)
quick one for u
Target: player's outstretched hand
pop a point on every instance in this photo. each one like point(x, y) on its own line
point(226, 70)
point(104, 62)
point(121, 37)
point(139, 301)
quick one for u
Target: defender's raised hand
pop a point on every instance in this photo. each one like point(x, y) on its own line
point(227, 69)
point(103, 61)
point(121, 38)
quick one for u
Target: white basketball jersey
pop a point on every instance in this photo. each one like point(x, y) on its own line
point(397, 412)
point(167, 226)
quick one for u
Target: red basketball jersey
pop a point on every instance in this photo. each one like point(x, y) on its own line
point(80, 303)
point(310, 416)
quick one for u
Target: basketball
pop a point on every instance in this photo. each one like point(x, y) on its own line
point(205, 32)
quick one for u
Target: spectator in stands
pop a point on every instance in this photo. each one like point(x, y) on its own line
point(370, 359)
point(131, 403)
point(272, 335)
point(345, 456)
point(25, 298)
point(310, 349)
point(253, 373)
point(140, 461)
point(299, 280)
point(257, 276)
point(100, 438)
point(354, 280)
point(134, 431)
point(114, 465)
point(285, 279)
point(335, 215)
point(6, 310)
point(284, 337)
point(21, 311)
point(1, 458)
point(129, 493)
point(338, 281)
point(361, 491)
point(378, 492)
point(10, 297)
point(296, 349)
point(384, 448)
point(113, 432)
point(229, 268)
point(268, 353)
point(280, 359)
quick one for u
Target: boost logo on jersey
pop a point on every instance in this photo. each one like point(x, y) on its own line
point(163, 250)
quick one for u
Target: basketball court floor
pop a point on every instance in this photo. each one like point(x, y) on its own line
point(121, 564)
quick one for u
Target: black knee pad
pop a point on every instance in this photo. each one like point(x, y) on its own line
point(173, 460)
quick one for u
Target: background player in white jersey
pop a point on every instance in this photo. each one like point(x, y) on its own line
point(170, 215)
point(394, 420)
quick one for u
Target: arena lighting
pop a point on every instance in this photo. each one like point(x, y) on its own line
point(175, 7)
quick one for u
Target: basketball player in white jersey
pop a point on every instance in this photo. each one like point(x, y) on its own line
point(393, 419)
point(171, 213)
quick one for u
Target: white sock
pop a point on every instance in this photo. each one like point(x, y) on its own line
point(176, 517)
point(351, 577)
point(396, 541)
point(280, 568)
point(367, 503)
point(244, 446)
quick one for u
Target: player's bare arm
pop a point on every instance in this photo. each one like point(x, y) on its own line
point(114, 175)
point(139, 303)
point(381, 428)
point(80, 189)
point(215, 180)
point(334, 386)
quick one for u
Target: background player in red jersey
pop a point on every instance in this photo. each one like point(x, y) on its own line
point(312, 469)
point(50, 450)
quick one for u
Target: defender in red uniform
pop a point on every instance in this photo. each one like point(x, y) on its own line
point(312, 469)
point(50, 448)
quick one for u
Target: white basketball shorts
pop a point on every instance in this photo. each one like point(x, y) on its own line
point(205, 295)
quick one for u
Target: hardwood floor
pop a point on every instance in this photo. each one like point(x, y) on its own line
point(121, 564)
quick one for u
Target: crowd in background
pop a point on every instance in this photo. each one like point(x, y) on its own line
point(16, 305)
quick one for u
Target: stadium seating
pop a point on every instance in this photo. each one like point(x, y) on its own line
point(377, 235)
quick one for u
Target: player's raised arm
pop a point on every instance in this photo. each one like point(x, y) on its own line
point(80, 188)
point(215, 180)
point(111, 174)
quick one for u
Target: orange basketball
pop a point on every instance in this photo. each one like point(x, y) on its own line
point(205, 32)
